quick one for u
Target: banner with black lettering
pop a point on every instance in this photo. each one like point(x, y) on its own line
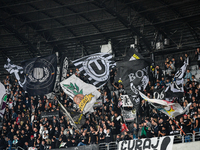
point(40, 74)
point(157, 143)
point(126, 102)
point(129, 115)
point(96, 67)
point(134, 76)
point(50, 115)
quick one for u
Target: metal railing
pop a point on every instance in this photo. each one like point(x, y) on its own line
point(189, 137)
point(16, 148)
point(108, 146)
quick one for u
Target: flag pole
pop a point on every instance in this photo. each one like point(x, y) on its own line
point(179, 127)
point(68, 116)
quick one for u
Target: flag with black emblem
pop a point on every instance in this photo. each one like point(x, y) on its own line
point(95, 67)
point(40, 74)
point(176, 89)
point(134, 76)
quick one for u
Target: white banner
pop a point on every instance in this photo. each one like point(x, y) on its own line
point(83, 94)
point(126, 102)
point(129, 115)
point(157, 143)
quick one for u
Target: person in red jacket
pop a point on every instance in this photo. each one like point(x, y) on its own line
point(18, 119)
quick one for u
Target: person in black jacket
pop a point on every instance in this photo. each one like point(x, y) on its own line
point(108, 136)
point(126, 136)
point(25, 147)
point(31, 141)
point(42, 145)
point(101, 136)
point(3, 144)
point(83, 140)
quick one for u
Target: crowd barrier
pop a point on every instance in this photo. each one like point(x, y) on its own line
point(114, 145)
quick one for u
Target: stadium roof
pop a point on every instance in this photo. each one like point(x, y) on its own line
point(30, 28)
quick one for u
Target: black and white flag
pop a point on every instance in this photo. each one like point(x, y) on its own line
point(135, 76)
point(17, 71)
point(176, 89)
point(64, 68)
point(159, 93)
point(40, 74)
point(126, 102)
point(95, 67)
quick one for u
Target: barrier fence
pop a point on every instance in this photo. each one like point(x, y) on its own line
point(114, 145)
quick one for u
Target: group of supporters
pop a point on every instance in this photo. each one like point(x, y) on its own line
point(24, 126)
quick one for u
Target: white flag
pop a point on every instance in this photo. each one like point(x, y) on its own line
point(170, 109)
point(83, 94)
point(3, 99)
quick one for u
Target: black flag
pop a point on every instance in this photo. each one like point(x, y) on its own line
point(132, 54)
point(40, 74)
point(134, 76)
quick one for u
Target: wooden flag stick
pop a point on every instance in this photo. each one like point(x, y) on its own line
point(179, 127)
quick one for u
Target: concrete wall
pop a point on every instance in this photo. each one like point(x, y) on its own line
point(187, 146)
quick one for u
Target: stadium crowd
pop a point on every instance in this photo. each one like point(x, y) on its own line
point(23, 125)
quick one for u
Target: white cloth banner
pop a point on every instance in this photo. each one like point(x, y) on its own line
point(2, 93)
point(83, 94)
point(170, 109)
point(162, 143)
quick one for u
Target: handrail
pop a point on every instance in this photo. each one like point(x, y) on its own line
point(20, 148)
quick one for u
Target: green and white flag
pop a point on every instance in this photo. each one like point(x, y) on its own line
point(3, 99)
point(83, 94)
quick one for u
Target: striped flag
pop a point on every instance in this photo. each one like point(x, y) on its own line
point(95, 67)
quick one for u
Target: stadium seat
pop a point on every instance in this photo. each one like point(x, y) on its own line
point(193, 67)
point(193, 72)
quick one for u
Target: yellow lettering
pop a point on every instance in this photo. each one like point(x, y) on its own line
point(85, 100)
